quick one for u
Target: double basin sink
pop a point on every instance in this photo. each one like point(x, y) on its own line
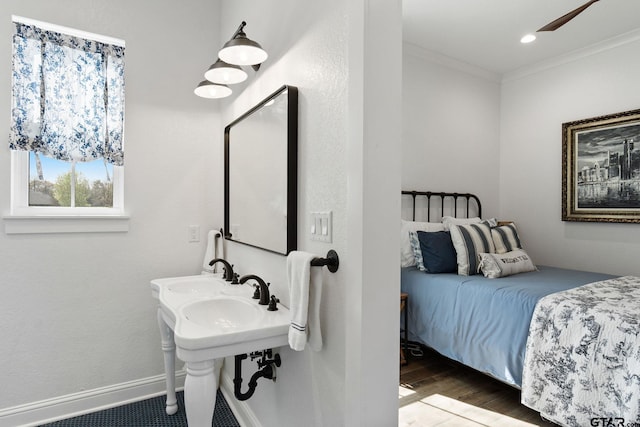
point(211, 318)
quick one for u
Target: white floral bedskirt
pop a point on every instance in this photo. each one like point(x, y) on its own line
point(583, 355)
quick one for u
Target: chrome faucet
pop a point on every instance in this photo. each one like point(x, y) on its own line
point(228, 269)
point(263, 288)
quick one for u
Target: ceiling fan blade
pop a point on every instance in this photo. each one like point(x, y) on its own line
point(552, 26)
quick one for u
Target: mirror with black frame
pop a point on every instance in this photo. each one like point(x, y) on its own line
point(260, 174)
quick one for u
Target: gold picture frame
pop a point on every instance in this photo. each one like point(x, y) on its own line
point(601, 168)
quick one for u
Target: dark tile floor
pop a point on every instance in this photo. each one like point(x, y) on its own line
point(148, 413)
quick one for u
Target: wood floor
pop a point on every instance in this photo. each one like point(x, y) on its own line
point(436, 391)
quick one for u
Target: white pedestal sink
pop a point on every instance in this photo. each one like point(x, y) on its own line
point(203, 318)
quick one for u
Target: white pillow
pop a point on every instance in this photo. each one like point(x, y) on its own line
point(470, 240)
point(448, 221)
point(406, 251)
point(501, 265)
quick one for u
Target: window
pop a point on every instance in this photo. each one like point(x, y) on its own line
point(55, 182)
point(67, 122)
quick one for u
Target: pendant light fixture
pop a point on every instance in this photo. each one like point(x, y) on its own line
point(237, 52)
point(221, 72)
point(207, 89)
point(241, 50)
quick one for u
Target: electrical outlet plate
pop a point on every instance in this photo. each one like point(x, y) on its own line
point(193, 233)
point(321, 228)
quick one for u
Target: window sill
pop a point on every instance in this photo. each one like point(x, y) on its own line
point(42, 224)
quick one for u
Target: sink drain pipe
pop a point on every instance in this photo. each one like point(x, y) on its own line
point(267, 370)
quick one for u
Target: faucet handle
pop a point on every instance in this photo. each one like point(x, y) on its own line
point(235, 281)
point(273, 303)
point(256, 292)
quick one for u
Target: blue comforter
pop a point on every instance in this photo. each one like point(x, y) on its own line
point(480, 322)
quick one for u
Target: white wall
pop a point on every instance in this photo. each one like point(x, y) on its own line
point(76, 309)
point(534, 106)
point(304, 42)
point(451, 127)
point(373, 185)
point(321, 47)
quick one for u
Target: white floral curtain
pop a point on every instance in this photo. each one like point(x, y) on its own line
point(67, 96)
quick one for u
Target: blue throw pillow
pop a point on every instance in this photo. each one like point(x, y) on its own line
point(438, 253)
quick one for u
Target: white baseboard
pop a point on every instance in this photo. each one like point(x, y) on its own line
point(72, 405)
point(241, 410)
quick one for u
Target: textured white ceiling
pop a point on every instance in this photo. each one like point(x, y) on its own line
point(486, 33)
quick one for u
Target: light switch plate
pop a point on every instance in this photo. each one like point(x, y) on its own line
point(321, 226)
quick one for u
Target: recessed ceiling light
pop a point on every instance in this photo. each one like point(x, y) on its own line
point(528, 38)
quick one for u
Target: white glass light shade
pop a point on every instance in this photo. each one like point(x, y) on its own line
point(206, 89)
point(221, 72)
point(242, 51)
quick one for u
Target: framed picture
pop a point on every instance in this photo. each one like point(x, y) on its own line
point(601, 168)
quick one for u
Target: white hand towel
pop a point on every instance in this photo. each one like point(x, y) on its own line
point(305, 290)
point(314, 333)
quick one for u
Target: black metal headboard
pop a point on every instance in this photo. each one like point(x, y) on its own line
point(465, 198)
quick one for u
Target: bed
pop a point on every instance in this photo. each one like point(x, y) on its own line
point(484, 322)
point(480, 322)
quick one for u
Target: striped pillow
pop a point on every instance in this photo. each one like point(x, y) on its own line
point(469, 241)
point(505, 238)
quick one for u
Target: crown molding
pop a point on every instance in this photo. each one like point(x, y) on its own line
point(594, 49)
point(447, 61)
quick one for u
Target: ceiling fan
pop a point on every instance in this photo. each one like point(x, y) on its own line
point(554, 25)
